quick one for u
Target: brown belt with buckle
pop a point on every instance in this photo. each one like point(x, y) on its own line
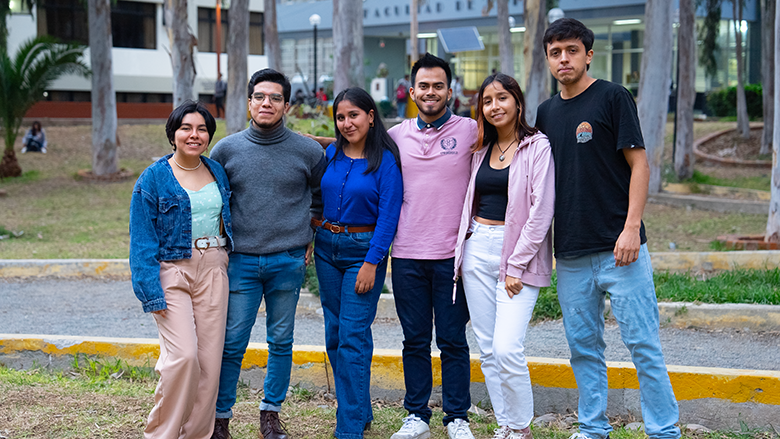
point(341, 228)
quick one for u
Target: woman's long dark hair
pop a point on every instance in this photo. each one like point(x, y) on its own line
point(377, 139)
point(487, 133)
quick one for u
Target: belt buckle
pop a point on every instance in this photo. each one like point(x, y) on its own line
point(334, 228)
point(198, 244)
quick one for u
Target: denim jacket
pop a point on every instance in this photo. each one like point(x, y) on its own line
point(161, 226)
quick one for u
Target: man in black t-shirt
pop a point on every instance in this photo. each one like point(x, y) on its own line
point(602, 174)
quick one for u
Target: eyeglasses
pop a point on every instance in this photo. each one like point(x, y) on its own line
point(276, 98)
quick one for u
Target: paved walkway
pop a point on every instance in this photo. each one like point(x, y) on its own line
point(109, 309)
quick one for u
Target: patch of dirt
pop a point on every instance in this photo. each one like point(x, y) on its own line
point(732, 146)
point(44, 412)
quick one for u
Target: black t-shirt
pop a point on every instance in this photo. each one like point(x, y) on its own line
point(592, 176)
point(492, 187)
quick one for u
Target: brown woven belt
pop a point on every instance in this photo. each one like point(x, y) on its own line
point(341, 229)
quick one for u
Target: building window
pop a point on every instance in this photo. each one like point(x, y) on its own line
point(64, 19)
point(132, 23)
point(207, 31)
point(19, 7)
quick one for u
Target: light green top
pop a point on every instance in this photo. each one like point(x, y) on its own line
point(206, 210)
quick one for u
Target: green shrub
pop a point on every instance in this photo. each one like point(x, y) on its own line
point(723, 102)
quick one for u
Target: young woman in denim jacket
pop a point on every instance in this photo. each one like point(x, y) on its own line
point(504, 249)
point(180, 233)
point(362, 193)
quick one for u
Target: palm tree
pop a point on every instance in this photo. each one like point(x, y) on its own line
point(23, 79)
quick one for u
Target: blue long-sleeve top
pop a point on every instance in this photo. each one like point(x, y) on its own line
point(351, 197)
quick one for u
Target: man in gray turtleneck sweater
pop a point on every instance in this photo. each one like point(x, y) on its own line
point(275, 178)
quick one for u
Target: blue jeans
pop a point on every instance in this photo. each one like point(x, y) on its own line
point(278, 278)
point(402, 109)
point(422, 290)
point(582, 284)
point(348, 317)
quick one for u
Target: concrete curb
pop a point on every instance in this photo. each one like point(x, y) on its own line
point(714, 397)
point(715, 204)
point(682, 315)
point(662, 261)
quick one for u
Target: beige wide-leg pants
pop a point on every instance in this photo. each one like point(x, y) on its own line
point(192, 336)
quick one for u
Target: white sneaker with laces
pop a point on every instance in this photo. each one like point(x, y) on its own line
point(502, 432)
point(413, 428)
point(459, 429)
point(579, 435)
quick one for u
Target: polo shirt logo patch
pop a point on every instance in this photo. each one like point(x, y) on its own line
point(584, 132)
point(448, 144)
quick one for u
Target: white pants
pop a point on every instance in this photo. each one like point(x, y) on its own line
point(500, 324)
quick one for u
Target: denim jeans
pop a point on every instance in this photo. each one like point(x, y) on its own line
point(402, 109)
point(582, 284)
point(500, 325)
point(348, 317)
point(422, 290)
point(277, 277)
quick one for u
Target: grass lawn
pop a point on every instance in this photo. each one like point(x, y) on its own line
point(85, 402)
point(62, 217)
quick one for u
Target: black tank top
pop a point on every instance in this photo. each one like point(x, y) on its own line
point(492, 188)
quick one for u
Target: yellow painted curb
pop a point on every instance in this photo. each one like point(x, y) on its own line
point(310, 365)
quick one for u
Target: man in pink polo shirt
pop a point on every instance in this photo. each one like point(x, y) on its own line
point(435, 152)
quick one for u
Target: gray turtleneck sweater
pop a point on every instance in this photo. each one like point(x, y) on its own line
point(275, 178)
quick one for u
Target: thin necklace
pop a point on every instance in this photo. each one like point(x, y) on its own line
point(500, 158)
point(199, 163)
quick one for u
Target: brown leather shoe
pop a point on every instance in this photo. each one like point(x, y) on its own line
point(221, 429)
point(271, 426)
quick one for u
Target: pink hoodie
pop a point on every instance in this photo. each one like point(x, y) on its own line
point(527, 250)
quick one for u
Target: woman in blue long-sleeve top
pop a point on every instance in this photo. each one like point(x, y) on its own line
point(362, 193)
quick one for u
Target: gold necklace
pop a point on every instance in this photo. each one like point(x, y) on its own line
point(196, 167)
point(503, 151)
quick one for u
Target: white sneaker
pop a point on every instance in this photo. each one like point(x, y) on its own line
point(579, 435)
point(502, 432)
point(459, 429)
point(413, 428)
point(520, 434)
point(24, 149)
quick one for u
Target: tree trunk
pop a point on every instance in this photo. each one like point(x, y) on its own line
point(412, 32)
point(743, 123)
point(181, 42)
point(654, 82)
point(536, 72)
point(348, 44)
point(773, 222)
point(686, 90)
point(768, 72)
point(104, 119)
point(272, 47)
point(237, 51)
point(505, 48)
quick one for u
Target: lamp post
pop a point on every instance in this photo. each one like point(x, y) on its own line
point(315, 20)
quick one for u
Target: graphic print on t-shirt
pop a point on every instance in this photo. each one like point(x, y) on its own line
point(584, 132)
point(448, 144)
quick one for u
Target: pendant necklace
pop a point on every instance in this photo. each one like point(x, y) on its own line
point(191, 169)
point(503, 151)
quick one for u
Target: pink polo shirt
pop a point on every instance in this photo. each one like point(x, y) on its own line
point(436, 164)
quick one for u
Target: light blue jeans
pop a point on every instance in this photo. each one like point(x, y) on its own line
point(277, 277)
point(582, 284)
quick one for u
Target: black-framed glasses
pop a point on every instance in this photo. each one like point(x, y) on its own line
point(276, 98)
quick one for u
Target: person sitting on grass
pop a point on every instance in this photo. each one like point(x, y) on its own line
point(35, 139)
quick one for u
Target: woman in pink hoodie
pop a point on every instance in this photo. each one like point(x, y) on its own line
point(504, 250)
